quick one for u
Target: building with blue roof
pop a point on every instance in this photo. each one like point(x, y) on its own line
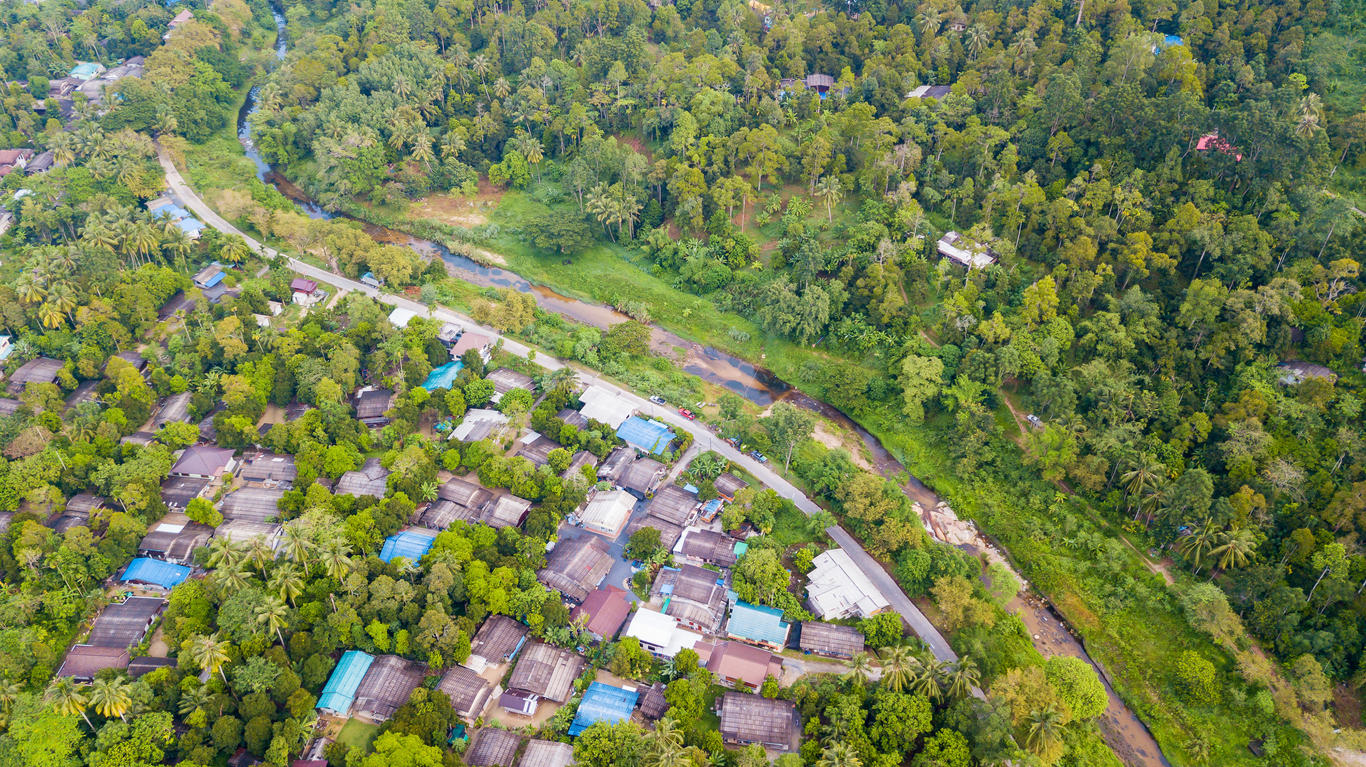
point(155, 572)
point(86, 70)
point(172, 211)
point(443, 377)
point(340, 691)
point(758, 625)
point(646, 436)
point(409, 544)
point(603, 703)
point(191, 226)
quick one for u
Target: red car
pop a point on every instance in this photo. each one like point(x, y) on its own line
point(686, 413)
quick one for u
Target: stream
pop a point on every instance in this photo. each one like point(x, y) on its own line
point(1123, 731)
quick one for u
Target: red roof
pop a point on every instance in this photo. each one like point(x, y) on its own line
point(606, 609)
point(303, 285)
point(1213, 141)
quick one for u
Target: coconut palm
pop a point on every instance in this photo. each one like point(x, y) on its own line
point(50, 316)
point(665, 746)
point(260, 552)
point(235, 249)
point(963, 676)
point(30, 287)
point(1142, 478)
point(9, 693)
point(1234, 548)
point(978, 40)
point(66, 697)
point(839, 755)
point(897, 666)
point(925, 676)
point(196, 699)
point(287, 582)
point(428, 491)
point(480, 65)
point(830, 190)
point(111, 697)
point(1311, 113)
point(210, 653)
point(296, 544)
point(336, 559)
point(232, 576)
point(223, 551)
point(930, 21)
point(859, 668)
point(1045, 729)
point(274, 615)
point(1198, 543)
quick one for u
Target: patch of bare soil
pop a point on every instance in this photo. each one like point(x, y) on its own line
point(832, 441)
point(456, 211)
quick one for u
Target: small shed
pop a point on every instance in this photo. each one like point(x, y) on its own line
point(409, 544)
point(653, 705)
point(572, 417)
point(727, 485)
point(547, 753)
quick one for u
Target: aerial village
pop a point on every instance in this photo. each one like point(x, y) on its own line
point(638, 571)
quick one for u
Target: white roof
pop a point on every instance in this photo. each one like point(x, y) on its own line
point(400, 317)
point(169, 528)
point(661, 632)
point(608, 511)
point(978, 257)
point(474, 418)
point(838, 588)
point(611, 408)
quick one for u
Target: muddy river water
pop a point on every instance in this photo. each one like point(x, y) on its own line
point(1124, 732)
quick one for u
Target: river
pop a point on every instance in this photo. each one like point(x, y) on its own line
point(1123, 730)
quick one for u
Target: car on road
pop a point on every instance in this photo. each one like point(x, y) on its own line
point(758, 456)
point(688, 414)
point(655, 398)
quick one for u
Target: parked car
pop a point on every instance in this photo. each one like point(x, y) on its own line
point(1034, 421)
point(686, 413)
point(655, 398)
point(758, 456)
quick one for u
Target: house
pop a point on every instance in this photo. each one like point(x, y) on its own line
point(831, 640)
point(124, 624)
point(13, 159)
point(253, 504)
point(180, 303)
point(577, 566)
point(478, 424)
point(41, 164)
point(660, 634)
point(6, 348)
point(62, 87)
point(649, 437)
point(641, 477)
point(543, 671)
point(131, 357)
point(469, 693)
point(1296, 372)
point(400, 317)
point(493, 747)
point(386, 686)
point(962, 250)
point(84, 503)
point(937, 92)
point(615, 466)
point(496, 642)
point(578, 462)
point(409, 544)
point(154, 573)
point(370, 479)
point(505, 380)
point(748, 718)
point(37, 371)
point(838, 589)
point(674, 505)
point(84, 661)
point(506, 511)
point(547, 753)
point(757, 625)
point(609, 407)
point(536, 448)
point(449, 334)
point(268, 470)
point(603, 612)
point(371, 404)
point(708, 547)
point(653, 705)
point(456, 501)
point(694, 595)
point(66, 521)
point(183, 17)
point(472, 341)
point(174, 409)
point(669, 533)
point(210, 275)
point(243, 531)
point(603, 703)
point(303, 291)
point(10, 406)
point(727, 485)
point(340, 691)
point(607, 513)
point(140, 667)
point(1219, 144)
point(572, 417)
point(177, 492)
point(175, 542)
point(738, 663)
point(204, 462)
point(86, 70)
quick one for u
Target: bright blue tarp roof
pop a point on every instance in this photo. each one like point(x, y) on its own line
point(603, 703)
point(341, 686)
point(189, 225)
point(410, 544)
point(163, 574)
point(763, 624)
point(650, 436)
point(443, 377)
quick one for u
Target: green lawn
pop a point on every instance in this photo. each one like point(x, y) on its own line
point(358, 734)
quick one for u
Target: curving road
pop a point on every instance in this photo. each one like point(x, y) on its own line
point(910, 614)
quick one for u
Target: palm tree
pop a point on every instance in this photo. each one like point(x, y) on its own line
point(978, 40)
point(1198, 748)
point(232, 576)
point(66, 697)
point(859, 667)
point(930, 22)
point(223, 551)
point(925, 676)
point(50, 316)
point(1234, 548)
point(480, 65)
point(9, 692)
point(296, 544)
point(111, 697)
point(1198, 543)
point(821, 521)
point(210, 653)
point(336, 559)
point(197, 699)
point(1045, 729)
point(1143, 477)
point(428, 491)
point(665, 746)
point(963, 677)
point(897, 664)
point(839, 755)
point(501, 88)
point(287, 582)
point(260, 552)
point(31, 289)
point(274, 615)
point(830, 190)
point(235, 249)
point(1311, 112)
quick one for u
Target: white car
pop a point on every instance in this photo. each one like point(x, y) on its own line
point(658, 400)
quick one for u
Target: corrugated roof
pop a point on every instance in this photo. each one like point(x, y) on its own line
point(469, 692)
point(155, 571)
point(653, 705)
point(577, 566)
point(672, 504)
point(831, 639)
point(606, 610)
point(253, 504)
point(123, 624)
point(603, 703)
point(641, 476)
point(547, 671)
point(755, 719)
point(649, 436)
point(757, 623)
point(547, 753)
point(388, 683)
point(203, 461)
point(411, 544)
point(608, 511)
point(498, 639)
point(728, 485)
point(492, 747)
point(83, 661)
point(340, 690)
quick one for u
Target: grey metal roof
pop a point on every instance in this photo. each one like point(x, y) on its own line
point(268, 467)
point(179, 491)
point(506, 511)
point(538, 450)
point(672, 504)
point(749, 718)
point(505, 380)
point(642, 475)
point(40, 370)
point(547, 671)
point(468, 691)
point(728, 484)
point(831, 639)
point(388, 683)
point(176, 545)
point(710, 547)
point(84, 503)
point(668, 533)
point(547, 753)
point(652, 702)
point(175, 409)
point(491, 747)
point(577, 566)
point(124, 624)
point(573, 417)
point(498, 638)
point(253, 504)
point(369, 480)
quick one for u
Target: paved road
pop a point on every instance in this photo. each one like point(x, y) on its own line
point(702, 436)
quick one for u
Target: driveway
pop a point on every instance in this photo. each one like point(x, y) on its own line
point(621, 572)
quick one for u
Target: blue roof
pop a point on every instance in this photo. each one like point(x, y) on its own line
point(761, 624)
point(87, 70)
point(163, 574)
point(650, 436)
point(188, 225)
point(1171, 40)
point(411, 544)
point(712, 505)
point(173, 212)
point(340, 691)
point(603, 703)
point(443, 377)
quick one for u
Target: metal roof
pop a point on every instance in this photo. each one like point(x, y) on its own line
point(547, 671)
point(672, 504)
point(83, 661)
point(156, 572)
point(831, 639)
point(648, 436)
point(388, 683)
point(498, 639)
point(203, 461)
point(370, 479)
point(469, 692)
point(340, 691)
point(505, 380)
point(641, 476)
point(124, 624)
point(603, 703)
point(757, 623)
point(653, 705)
point(608, 512)
point(547, 753)
point(755, 719)
point(491, 746)
point(577, 566)
point(411, 544)
point(728, 485)
point(253, 504)
point(606, 609)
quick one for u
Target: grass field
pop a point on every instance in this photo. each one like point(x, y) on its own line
point(358, 734)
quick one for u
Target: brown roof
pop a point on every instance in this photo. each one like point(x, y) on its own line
point(642, 475)
point(491, 746)
point(616, 463)
point(498, 639)
point(668, 533)
point(203, 461)
point(41, 370)
point(737, 660)
point(176, 545)
point(573, 417)
point(253, 504)
point(369, 480)
point(124, 624)
point(728, 485)
point(547, 753)
point(697, 584)
point(831, 639)
point(606, 609)
point(581, 459)
point(468, 691)
point(710, 547)
point(9, 406)
point(84, 502)
point(577, 566)
point(370, 405)
point(749, 718)
point(652, 702)
point(672, 504)
point(470, 340)
point(146, 664)
point(386, 686)
point(506, 511)
point(547, 671)
point(84, 660)
point(179, 491)
point(176, 409)
point(538, 450)
point(268, 467)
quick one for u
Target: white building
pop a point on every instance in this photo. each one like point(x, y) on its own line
point(400, 317)
point(660, 634)
point(966, 252)
point(608, 512)
point(838, 589)
point(611, 408)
